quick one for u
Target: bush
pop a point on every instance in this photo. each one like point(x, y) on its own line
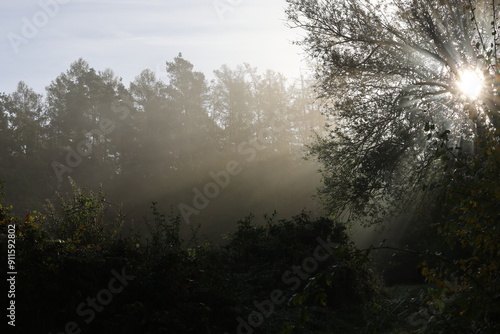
point(81, 219)
point(337, 284)
point(68, 255)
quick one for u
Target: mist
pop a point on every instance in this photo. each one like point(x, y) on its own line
point(209, 152)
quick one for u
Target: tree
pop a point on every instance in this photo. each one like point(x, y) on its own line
point(187, 98)
point(71, 103)
point(273, 100)
point(6, 139)
point(5, 130)
point(82, 119)
point(405, 119)
point(148, 136)
point(27, 178)
point(391, 71)
point(27, 120)
point(232, 104)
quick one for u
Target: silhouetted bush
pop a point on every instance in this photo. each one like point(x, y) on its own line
point(65, 260)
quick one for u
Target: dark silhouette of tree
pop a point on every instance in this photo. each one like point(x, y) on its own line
point(405, 127)
point(390, 71)
point(82, 121)
point(27, 120)
point(232, 105)
point(187, 99)
point(24, 160)
point(5, 130)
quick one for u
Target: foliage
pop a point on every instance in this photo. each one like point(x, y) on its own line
point(469, 288)
point(389, 72)
point(274, 238)
point(82, 219)
point(4, 211)
point(402, 130)
point(202, 289)
point(163, 234)
point(343, 282)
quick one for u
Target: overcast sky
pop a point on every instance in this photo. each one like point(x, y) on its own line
point(41, 38)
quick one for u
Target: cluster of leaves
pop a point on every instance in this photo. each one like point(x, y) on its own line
point(202, 288)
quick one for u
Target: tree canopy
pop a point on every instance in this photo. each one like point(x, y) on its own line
point(413, 107)
point(391, 71)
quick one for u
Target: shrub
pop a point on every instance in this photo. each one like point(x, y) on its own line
point(81, 219)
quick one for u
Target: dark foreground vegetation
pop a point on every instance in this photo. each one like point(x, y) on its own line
point(79, 270)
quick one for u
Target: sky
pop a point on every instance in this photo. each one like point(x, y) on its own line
point(41, 38)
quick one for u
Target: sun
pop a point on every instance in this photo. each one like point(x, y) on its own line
point(471, 83)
